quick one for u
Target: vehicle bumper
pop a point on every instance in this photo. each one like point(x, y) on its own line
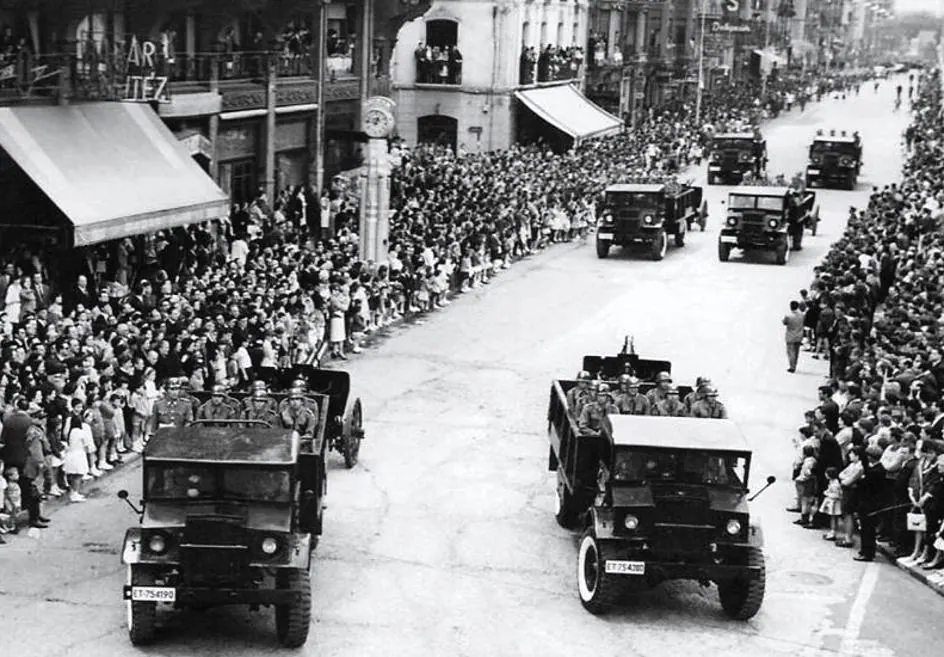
point(644, 236)
point(665, 570)
point(755, 241)
point(830, 174)
point(185, 595)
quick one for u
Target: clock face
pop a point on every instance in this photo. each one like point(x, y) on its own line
point(377, 123)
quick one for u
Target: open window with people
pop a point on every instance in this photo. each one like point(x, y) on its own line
point(438, 59)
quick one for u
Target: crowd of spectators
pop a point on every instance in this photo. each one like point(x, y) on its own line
point(870, 456)
point(438, 64)
point(85, 357)
point(551, 64)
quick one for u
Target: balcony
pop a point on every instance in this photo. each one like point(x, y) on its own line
point(444, 69)
point(201, 67)
point(550, 66)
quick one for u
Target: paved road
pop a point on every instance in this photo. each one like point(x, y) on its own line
point(442, 542)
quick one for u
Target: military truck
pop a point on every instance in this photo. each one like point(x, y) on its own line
point(767, 219)
point(834, 159)
point(733, 155)
point(657, 499)
point(646, 214)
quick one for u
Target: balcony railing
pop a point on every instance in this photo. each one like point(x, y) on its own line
point(550, 67)
point(439, 71)
point(199, 67)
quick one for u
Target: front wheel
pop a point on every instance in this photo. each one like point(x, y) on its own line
point(741, 599)
point(142, 616)
point(659, 246)
point(603, 248)
point(783, 253)
point(598, 590)
point(724, 252)
point(353, 434)
point(293, 620)
point(703, 215)
point(680, 233)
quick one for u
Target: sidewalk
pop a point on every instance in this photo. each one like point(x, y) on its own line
point(933, 579)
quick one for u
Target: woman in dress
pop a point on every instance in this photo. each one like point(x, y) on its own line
point(79, 441)
point(338, 305)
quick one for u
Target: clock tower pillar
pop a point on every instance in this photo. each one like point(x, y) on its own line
point(377, 123)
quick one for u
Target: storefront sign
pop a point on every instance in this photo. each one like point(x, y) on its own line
point(729, 28)
point(142, 82)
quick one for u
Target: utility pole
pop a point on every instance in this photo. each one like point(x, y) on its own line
point(764, 75)
point(701, 65)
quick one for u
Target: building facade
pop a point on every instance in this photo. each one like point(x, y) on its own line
point(456, 69)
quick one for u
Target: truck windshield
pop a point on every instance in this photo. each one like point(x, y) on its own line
point(202, 482)
point(632, 200)
point(742, 202)
point(770, 203)
point(732, 144)
point(688, 467)
point(821, 147)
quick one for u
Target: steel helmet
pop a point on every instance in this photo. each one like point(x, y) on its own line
point(583, 375)
point(603, 387)
point(625, 378)
point(664, 376)
point(711, 392)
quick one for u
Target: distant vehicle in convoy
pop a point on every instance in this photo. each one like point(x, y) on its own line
point(734, 155)
point(232, 509)
point(657, 499)
point(768, 219)
point(646, 214)
point(834, 159)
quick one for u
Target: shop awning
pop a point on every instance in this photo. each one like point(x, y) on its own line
point(568, 110)
point(114, 169)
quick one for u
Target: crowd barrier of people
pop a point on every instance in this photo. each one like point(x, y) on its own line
point(870, 456)
point(221, 305)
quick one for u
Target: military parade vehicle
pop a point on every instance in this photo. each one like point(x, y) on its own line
point(834, 159)
point(232, 507)
point(735, 155)
point(646, 214)
point(768, 219)
point(657, 499)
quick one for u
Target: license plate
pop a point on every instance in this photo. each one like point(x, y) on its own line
point(713, 168)
point(604, 236)
point(728, 239)
point(626, 567)
point(153, 594)
point(813, 171)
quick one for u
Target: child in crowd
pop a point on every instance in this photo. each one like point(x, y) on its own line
point(806, 486)
point(12, 499)
point(832, 504)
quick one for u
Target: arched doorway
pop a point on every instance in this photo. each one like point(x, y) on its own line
point(437, 129)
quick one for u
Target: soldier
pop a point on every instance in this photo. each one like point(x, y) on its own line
point(696, 395)
point(591, 417)
point(260, 406)
point(709, 407)
point(630, 401)
point(661, 392)
point(671, 406)
point(580, 394)
point(171, 410)
point(297, 416)
point(187, 396)
point(217, 406)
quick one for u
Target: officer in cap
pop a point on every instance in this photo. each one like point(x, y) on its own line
point(260, 405)
point(591, 417)
point(629, 400)
point(298, 417)
point(218, 407)
point(580, 394)
point(671, 406)
point(171, 410)
point(661, 392)
point(710, 407)
point(701, 384)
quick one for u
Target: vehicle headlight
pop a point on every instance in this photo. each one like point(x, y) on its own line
point(157, 544)
point(270, 545)
point(648, 219)
point(630, 521)
point(732, 221)
point(744, 157)
point(773, 223)
point(733, 527)
point(845, 161)
point(816, 159)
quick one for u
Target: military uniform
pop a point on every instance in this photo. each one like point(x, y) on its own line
point(217, 409)
point(591, 417)
point(261, 408)
point(632, 403)
point(577, 398)
point(670, 408)
point(693, 398)
point(171, 412)
point(709, 409)
point(299, 419)
point(656, 396)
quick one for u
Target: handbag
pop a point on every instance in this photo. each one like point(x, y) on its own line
point(939, 543)
point(917, 522)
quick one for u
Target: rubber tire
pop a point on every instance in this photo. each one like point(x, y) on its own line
point(352, 436)
point(724, 252)
point(703, 215)
point(142, 616)
point(605, 590)
point(603, 248)
point(565, 511)
point(783, 253)
point(680, 233)
point(742, 599)
point(659, 246)
point(293, 621)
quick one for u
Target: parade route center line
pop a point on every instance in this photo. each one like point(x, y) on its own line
point(850, 634)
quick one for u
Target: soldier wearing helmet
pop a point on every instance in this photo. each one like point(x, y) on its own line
point(218, 406)
point(671, 406)
point(171, 410)
point(591, 417)
point(260, 405)
point(629, 400)
point(710, 407)
point(580, 394)
point(702, 383)
point(661, 392)
point(297, 416)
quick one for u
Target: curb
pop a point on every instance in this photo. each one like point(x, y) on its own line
point(933, 579)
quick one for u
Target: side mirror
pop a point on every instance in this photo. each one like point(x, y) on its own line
point(770, 481)
point(123, 495)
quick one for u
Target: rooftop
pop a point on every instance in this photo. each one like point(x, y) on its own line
point(759, 191)
point(677, 433)
point(637, 188)
point(249, 445)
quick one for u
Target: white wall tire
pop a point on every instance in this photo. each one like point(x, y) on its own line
point(141, 617)
point(598, 591)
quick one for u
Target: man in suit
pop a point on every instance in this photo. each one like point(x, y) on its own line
point(43, 291)
point(15, 452)
point(793, 323)
point(870, 500)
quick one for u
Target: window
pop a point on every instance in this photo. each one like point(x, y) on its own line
point(543, 35)
point(525, 33)
point(741, 202)
point(560, 33)
point(341, 39)
point(442, 33)
point(440, 61)
point(770, 203)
